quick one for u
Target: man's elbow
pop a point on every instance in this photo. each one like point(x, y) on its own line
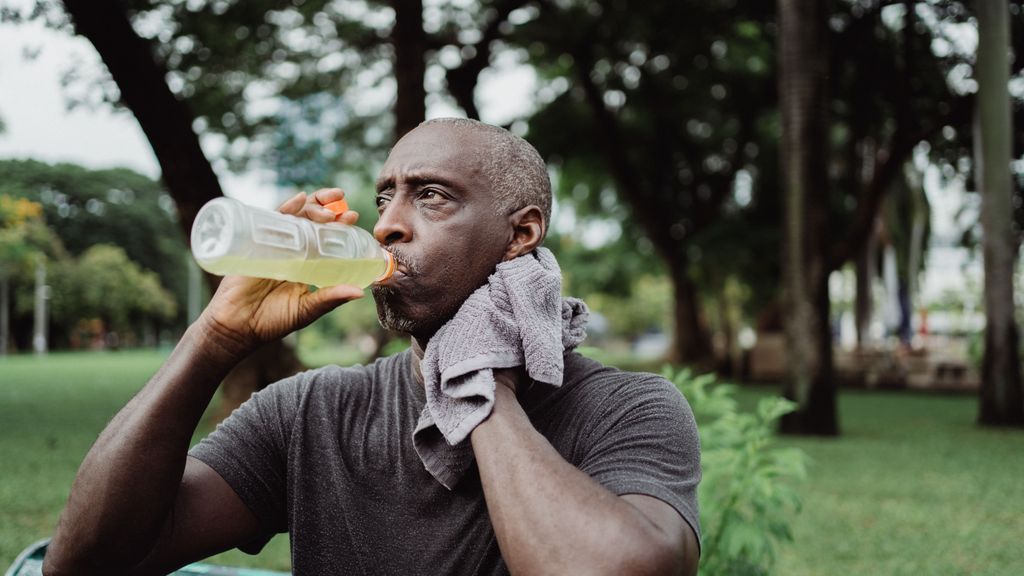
point(67, 556)
point(659, 553)
point(60, 560)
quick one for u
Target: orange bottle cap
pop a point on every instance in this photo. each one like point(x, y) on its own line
point(338, 206)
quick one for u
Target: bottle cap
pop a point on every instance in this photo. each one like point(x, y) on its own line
point(338, 206)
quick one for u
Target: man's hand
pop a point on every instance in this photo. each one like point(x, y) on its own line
point(246, 312)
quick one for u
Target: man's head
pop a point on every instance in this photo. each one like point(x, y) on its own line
point(455, 198)
point(517, 174)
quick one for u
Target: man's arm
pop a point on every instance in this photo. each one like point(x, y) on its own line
point(551, 518)
point(129, 483)
point(139, 504)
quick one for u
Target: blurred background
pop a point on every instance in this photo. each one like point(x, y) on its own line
point(815, 200)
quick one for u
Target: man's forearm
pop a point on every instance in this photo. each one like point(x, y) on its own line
point(551, 518)
point(127, 484)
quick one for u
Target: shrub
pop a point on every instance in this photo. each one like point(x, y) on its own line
point(749, 489)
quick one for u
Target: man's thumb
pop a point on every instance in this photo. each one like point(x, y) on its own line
point(326, 299)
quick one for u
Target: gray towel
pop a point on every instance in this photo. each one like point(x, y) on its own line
point(517, 319)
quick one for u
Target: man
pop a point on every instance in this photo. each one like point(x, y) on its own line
point(595, 476)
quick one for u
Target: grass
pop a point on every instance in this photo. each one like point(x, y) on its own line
point(912, 486)
point(51, 411)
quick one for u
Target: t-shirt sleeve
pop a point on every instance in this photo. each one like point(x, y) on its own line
point(645, 441)
point(249, 450)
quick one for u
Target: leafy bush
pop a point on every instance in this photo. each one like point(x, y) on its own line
point(749, 489)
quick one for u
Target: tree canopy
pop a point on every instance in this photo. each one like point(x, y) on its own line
point(85, 208)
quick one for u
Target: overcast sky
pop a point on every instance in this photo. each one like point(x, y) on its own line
point(32, 107)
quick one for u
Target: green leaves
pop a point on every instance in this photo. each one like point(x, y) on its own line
point(84, 208)
point(104, 283)
point(24, 237)
point(749, 488)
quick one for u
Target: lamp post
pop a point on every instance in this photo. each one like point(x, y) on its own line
point(39, 329)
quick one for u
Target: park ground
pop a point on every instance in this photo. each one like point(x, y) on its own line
point(912, 486)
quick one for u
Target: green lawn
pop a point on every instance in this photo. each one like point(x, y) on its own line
point(51, 411)
point(912, 487)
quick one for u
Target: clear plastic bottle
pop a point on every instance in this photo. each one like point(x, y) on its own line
point(229, 237)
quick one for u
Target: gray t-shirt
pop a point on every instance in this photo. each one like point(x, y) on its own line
point(327, 455)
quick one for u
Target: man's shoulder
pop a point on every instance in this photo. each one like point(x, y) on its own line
point(613, 381)
point(592, 391)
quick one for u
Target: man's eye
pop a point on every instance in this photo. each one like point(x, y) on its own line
point(431, 195)
point(381, 201)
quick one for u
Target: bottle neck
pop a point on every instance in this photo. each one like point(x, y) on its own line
point(390, 265)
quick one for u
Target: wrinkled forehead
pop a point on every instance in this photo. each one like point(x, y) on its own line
point(454, 152)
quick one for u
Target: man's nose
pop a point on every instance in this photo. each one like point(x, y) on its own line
point(393, 224)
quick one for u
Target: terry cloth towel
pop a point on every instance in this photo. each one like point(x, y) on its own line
point(517, 319)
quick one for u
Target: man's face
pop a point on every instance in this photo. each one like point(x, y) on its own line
point(438, 217)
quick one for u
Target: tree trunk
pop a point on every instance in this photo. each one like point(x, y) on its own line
point(726, 365)
point(185, 170)
point(164, 119)
point(1001, 397)
point(409, 42)
point(865, 273)
point(5, 312)
point(691, 342)
point(803, 66)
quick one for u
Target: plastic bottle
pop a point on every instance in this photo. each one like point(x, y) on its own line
point(229, 237)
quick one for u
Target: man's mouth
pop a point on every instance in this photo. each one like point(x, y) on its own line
point(404, 268)
point(403, 263)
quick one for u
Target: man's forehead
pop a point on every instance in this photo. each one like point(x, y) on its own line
point(436, 149)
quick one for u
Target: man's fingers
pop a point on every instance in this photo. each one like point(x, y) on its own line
point(293, 205)
point(317, 213)
point(325, 196)
point(349, 217)
point(312, 207)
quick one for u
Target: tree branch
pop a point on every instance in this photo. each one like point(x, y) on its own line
point(462, 80)
point(889, 163)
point(409, 40)
point(653, 220)
point(164, 119)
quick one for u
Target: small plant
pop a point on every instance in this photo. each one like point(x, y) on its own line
point(749, 488)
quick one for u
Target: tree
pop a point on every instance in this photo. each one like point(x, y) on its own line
point(891, 94)
point(803, 101)
point(1002, 399)
point(685, 130)
point(105, 284)
point(88, 207)
point(666, 121)
point(24, 240)
point(190, 74)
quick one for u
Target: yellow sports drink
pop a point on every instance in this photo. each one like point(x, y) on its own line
point(229, 237)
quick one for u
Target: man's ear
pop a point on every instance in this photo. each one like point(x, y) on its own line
point(528, 228)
